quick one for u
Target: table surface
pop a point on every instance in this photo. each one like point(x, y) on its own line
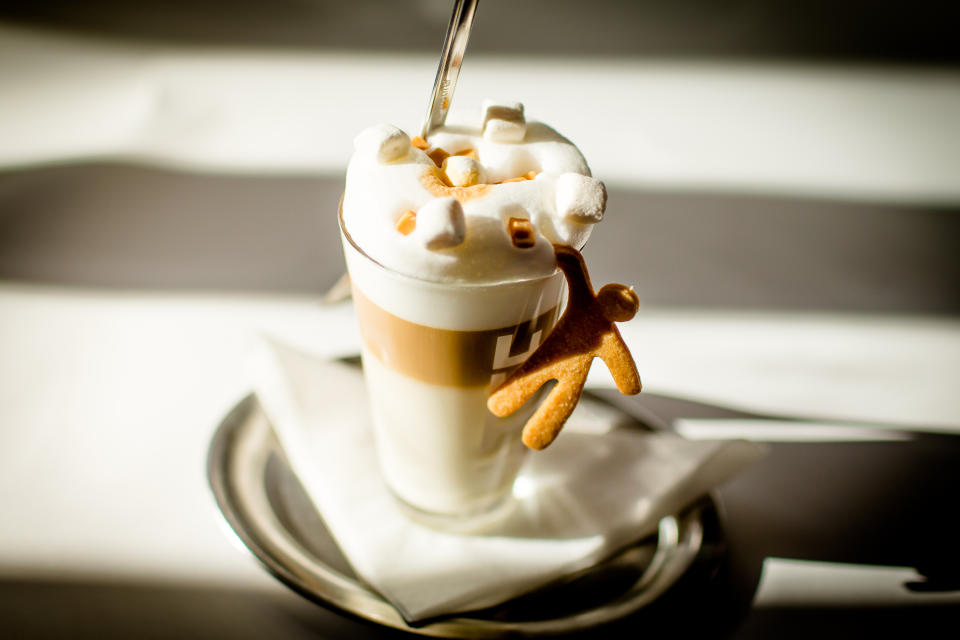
point(817, 315)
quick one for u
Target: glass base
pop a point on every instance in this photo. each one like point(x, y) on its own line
point(468, 523)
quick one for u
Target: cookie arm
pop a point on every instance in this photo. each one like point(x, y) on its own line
point(520, 386)
point(544, 426)
point(579, 290)
point(616, 356)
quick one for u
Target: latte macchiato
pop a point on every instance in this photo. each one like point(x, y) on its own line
point(449, 246)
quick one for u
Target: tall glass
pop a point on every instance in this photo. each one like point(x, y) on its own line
point(431, 355)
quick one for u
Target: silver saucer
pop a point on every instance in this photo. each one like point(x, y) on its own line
point(264, 503)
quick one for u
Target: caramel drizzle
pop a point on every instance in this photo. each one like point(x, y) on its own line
point(436, 181)
point(438, 184)
point(521, 233)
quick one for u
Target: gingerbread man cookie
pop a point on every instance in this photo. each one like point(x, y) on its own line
point(586, 330)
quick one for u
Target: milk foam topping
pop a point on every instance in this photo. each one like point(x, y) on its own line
point(482, 201)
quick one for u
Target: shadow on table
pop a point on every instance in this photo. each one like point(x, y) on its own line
point(78, 607)
point(113, 608)
point(883, 503)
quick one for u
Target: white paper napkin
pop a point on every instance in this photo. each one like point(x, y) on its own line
point(595, 490)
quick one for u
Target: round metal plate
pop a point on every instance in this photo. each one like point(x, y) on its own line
point(264, 503)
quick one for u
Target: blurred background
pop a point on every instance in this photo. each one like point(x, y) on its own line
point(784, 191)
point(855, 30)
point(778, 154)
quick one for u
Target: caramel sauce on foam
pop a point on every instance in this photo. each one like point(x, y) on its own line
point(436, 182)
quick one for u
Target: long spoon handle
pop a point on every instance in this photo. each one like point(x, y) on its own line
point(454, 47)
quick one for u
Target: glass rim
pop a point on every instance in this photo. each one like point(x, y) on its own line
point(403, 276)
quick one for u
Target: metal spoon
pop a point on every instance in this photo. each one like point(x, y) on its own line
point(454, 47)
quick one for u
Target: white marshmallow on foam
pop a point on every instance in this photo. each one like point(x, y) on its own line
point(441, 224)
point(384, 142)
point(580, 198)
point(463, 171)
point(503, 121)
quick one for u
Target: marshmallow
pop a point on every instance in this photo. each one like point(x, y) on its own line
point(463, 171)
point(503, 121)
point(441, 224)
point(580, 198)
point(384, 142)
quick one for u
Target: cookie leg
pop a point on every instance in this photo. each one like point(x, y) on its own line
point(544, 426)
